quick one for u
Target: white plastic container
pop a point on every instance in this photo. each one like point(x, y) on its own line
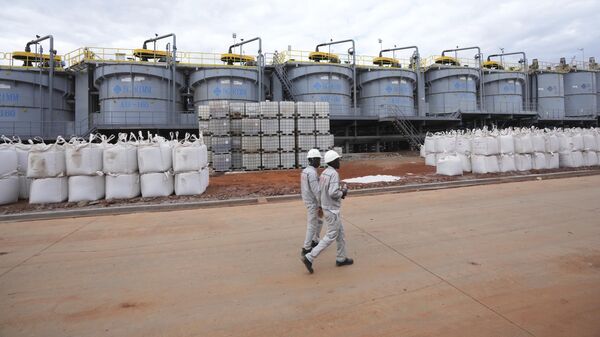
point(48, 190)
point(191, 183)
point(86, 188)
point(9, 189)
point(157, 184)
point(122, 186)
point(450, 165)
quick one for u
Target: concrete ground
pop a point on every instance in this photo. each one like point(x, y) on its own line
point(519, 259)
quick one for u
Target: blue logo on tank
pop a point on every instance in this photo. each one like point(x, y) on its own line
point(217, 91)
point(117, 89)
point(317, 85)
point(389, 89)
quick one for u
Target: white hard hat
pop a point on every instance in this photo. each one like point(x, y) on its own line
point(331, 156)
point(314, 153)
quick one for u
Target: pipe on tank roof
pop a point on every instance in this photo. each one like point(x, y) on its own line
point(353, 63)
point(51, 72)
point(259, 62)
point(525, 68)
point(479, 57)
point(420, 84)
point(173, 66)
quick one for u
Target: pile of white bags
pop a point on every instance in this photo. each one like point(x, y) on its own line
point(120, 166)
point(9, 180)
point(155, 162)
point(84, 161)
point(190, 164)
point(47, 167)
point(489, 151)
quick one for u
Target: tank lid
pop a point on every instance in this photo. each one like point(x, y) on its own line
point(147, 54)
point(33, 57)
point(386, 61)
point(319, 56)
point(230, 58)
point(493, 65)
point(447, 60)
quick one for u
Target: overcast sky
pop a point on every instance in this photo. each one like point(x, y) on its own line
point(544, 29)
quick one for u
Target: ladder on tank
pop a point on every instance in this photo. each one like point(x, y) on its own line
point(405, 127)
point(281, 74)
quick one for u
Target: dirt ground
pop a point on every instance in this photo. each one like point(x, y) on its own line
point(407, 165)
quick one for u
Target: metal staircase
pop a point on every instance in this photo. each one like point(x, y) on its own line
point(280, 72)
point(405, 127)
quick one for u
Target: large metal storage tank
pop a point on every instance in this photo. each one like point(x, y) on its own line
point(386, 91)
point(580, 94)
point(24, 103)
point(327, 81)
point(503, 90)
point(548, 94)
point(235, 84)
point(451, 87)
point(137, 94)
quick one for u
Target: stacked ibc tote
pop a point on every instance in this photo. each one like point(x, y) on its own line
point(251, 159)
point(287, 138)
point(269, 135)
point(220, 130)
point(237, 112)
point(312, 130)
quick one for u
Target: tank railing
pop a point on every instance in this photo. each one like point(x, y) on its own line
point(7, 61)
point(545, 66)
point(464, 62)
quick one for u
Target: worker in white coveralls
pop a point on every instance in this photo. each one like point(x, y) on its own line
point(332, 193)
point(309, 187)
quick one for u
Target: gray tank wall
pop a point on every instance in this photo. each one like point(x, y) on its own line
point(503, 91)
point(549, 94)
point(580, 94)
point(452, 89)
point(24, 104)
point(331, 83)
point(385, 92)
point(133, 94)
point(228, 83)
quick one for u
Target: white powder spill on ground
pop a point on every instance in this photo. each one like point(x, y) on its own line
point(372, 179)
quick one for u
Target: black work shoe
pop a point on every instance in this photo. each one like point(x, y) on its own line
point(348, 261)
point(308, 264)
point(314, 244)
point(305, 251)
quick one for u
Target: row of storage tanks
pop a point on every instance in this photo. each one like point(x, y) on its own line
point(130, 92)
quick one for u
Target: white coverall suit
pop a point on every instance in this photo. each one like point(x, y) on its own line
point(331, 201)
point(309, 188)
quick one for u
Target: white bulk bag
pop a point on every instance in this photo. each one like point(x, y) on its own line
point(523, 143)
point(9, 189)
point(157, 184)
point(122, 186)
point(48, 190)
point(449, 166)
point(83, 158)
point(506, 144)
point(190, 156)
point(538, 161)
point(24, 186)
point(446, 144)
point(8, 159)
point(430, 159)
point(22, 154)
point(466, 162)
point(191, 183)
point(484, 145)
point(552, 161)
point(46, 160)
point(539, 143)
point(590, 158)
point(589, 142)
point(577, 141)
point(523, 162)
point(478, 164)
point(429, 144)
point(570, 159)
point(491, 164)
point(421, 153)
point(551, 143)
point(120, 158)
point(155, 156)
point(86, 188)
point(506, 163)
point(463, 144)
point(565, 143)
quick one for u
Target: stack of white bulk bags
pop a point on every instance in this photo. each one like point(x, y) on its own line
point(523, 150)
point(9, 180)
point(120, 166)
point(24, 182)
point(484, 158)
point(538, 157)
point(190, 164)
point(449, 165)
point(590, 147)
point(506, 147)
point(571, 145)
point(84, 168)
point(155, 160)
point(463, 150)
point(552, 147)
point(439, 145)
point(429, 149)
point(46, 165)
